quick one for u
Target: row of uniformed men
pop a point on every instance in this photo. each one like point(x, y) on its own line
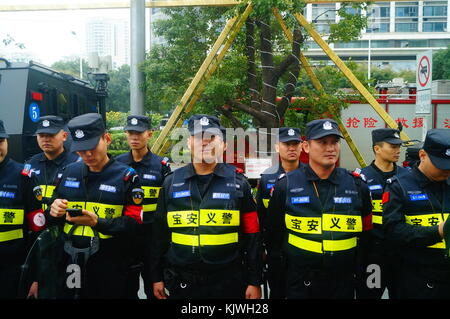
point(199, 235)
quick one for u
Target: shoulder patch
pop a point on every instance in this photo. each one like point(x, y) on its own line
point(165, 162)
point(26, 171)
point(130, 173)
point(357, 173)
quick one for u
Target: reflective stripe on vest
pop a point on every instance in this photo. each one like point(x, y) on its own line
point(206, 217)
point(47, 190)
point(106, 211)
point(204, 239)
point(151, 192)
point(149, 208)
point(266, 202)
point(329, 222)
point(376, 219)
point(377, 206)
point(11, 216)
point(427, 220)
point(328, 245)
point(11, 235)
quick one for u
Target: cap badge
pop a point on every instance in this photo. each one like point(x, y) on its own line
point(79, 134)
point(204, 121)
point(396, 135)
point(291, 132)
point(45, 123)
point(134, 121)
point(327, 126)
point(447, 152)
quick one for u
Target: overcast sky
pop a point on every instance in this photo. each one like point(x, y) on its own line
point(47, 35)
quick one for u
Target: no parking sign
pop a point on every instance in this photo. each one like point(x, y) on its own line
point(423, 81)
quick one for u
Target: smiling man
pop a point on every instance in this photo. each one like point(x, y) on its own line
point(109, 196)
point(315, 217)
point(415, 210)
point(206, 238)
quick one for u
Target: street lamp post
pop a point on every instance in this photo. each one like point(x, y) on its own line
point(81, 55)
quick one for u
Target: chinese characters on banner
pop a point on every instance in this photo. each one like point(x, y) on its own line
point(370, 122)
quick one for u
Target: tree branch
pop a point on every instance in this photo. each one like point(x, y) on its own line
point(234, 121)
point(247, 109)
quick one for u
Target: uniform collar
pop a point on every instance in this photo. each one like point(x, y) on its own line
point(422, 179)
point(61, 157)
point(219, 170)
point(312, 176)
point(380, 171)
point(144, 161)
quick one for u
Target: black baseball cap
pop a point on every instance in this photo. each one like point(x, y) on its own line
point(200, 123)
point(320, 128)
point(50, 124)
point(437, 146)
point(138, 123)
point(287, 134)
point(388, 135)
point(2, 131)
point(86, 131)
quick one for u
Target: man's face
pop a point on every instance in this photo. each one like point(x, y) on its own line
point(289, 151)
point(138, 140)
point(324, 151)
point(388, 152)
point(206, 148)
point(3, 148)
point(51, 143)
point(95, 158)
point(430, 170)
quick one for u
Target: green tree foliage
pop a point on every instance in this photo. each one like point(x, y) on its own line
point(260, 66)
point(119, 90)
point(72, 67)
point(441, 64)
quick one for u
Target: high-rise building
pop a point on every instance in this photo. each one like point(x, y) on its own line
point(109, 37)
point(397, 31)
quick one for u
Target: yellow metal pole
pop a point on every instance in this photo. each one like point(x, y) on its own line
point(318, 87)
point(348, 74)
point(205, 71)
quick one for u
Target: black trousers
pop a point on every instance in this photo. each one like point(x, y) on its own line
point(416, 283)
point(319, 284)
point(378, 263)
point(224, 284)
point(276, 277)
point(9, 281)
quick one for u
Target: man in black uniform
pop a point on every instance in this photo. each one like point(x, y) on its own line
point(386, 144)
point(151, 169)
point(315, 217)
point(98, 237)
point(206, 236)
point(289, 148)
point(20, 211)
point(47, 165)
point(415, 208)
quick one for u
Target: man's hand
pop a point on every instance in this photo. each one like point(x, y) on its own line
point(88, 219)
point(158, 290)
point(253, 292)
point(58, 208)
point(441, 229)
point(33, 292)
